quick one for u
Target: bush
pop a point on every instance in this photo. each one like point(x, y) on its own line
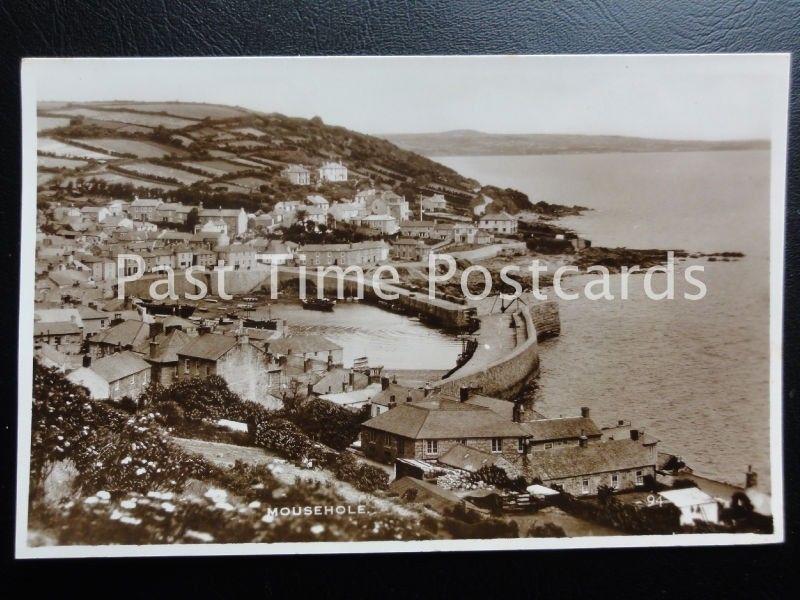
point(332, 425)
point(362, 476)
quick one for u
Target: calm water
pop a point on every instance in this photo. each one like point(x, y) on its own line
point(694, 374)
point(386, 338)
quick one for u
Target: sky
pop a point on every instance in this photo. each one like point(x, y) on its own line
point(711, 97)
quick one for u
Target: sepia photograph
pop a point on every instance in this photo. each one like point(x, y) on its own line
point(400, 304)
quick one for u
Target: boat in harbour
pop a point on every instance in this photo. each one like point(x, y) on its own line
point(324, 304)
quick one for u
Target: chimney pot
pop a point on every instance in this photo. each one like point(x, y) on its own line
point(585, 412)
point(87, 360)
point(408, 398)
point(384, 383)
point(463, 393)
point(750, 478)
point(635, 435)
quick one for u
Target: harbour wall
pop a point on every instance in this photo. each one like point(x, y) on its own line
point(504, 377)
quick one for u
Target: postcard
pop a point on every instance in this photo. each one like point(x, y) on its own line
point(400, 304)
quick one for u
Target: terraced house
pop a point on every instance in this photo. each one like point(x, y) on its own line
point(427, 429)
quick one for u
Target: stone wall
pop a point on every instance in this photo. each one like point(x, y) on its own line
point(546, 319)
point(504, 377)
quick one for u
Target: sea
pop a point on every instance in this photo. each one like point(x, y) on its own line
point(695, 374)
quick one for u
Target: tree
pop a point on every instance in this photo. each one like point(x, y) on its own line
point(192, 219)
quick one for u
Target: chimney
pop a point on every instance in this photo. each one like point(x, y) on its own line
point(384, 383)
point(518, 412)
point(310, 389)
point(583, 441)
point(585, 412)
point(344, 386)
point(392, 401)
point(408, 398)
point(620, 423)
point(117, 319)
point(351, 379)
point(750, 478)
point(330, 362)
point(87, 360)
point(463, 393)
point(426, 391)
point(153, 348)
point(635, 435)
point(306, 365)
point(156, 328)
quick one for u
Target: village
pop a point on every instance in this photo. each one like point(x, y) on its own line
point(467, 439)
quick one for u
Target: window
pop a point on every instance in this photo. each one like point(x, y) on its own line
point(521, 445)
point(388, 439)
point(401, 446)
point(431, 447)
point(497, 445)
point(614, 481)
point(548, 445)
point(639, 478)
point(585, 486)
point(186, 365)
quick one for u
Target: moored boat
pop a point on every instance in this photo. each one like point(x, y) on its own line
point(324, 304)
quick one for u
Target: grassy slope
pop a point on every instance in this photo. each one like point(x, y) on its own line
point(286, 140)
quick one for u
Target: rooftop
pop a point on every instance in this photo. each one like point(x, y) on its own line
point(301, 344)
point(604, 457)
point(561, 429)
point(119, 365)
point(209, 346)
point(439, 418)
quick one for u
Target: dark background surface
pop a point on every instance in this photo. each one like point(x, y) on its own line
point(251, 28)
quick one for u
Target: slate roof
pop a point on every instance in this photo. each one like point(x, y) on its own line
point(116, 366)
point(439, 418)
point(89, 313)
point(302, 344)
point(501, 216)
point(220, 212)
point(169, 344)
point(128, 333)
point(400, 393)
point(56, 328)
point(468, 459)
point(338, 247)
point(575, 461)
point(210, 346)
point(561, 429)
point(331, 382)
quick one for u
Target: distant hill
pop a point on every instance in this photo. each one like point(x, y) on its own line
point(467, 142)
point(226, 155)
